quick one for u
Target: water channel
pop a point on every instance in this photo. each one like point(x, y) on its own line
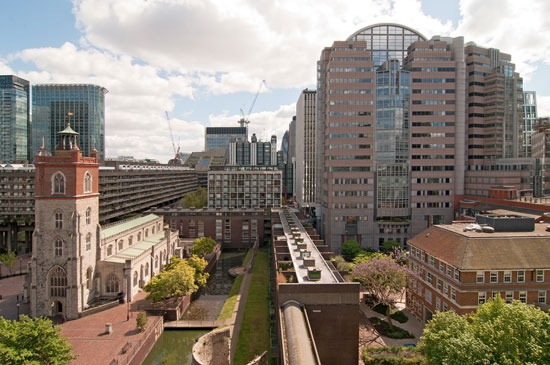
point(175, 346)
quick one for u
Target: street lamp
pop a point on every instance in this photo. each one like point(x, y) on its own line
point(17, 310)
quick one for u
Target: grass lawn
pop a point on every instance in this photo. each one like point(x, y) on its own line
point(229, 304)
point(247, 258)
point(254, 333)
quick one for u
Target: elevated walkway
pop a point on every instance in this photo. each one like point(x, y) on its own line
point(196, 324)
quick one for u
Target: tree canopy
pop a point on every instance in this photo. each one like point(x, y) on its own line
point(351, 248)
point(196, 199)
point(203, 246)
point(497, 333)
point(383, 278)
point(389, 245)
point(32, 341)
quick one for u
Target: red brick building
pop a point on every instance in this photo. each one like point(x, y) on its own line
point(459, 266)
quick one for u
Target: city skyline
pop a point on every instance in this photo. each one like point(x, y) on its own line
point(125, 48)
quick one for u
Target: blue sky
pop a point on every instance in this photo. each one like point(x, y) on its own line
point(203, 60)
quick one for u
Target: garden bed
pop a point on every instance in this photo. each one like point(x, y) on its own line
point(383, 328)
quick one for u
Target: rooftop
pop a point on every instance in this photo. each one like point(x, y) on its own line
point(137, 249)
point(126, 225)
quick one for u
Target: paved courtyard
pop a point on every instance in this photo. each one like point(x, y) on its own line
point(11, 289)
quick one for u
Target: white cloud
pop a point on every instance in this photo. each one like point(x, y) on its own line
point(543, 106)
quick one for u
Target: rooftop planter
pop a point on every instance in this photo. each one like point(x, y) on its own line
point(313, 274)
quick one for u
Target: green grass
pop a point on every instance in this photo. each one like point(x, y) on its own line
point(247, 258)
point(254, 333)
point(229, 304)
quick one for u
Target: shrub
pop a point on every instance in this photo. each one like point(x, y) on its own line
point(384, 329)
point(400, 317)
point(392, 355)
point(351, 248)
point(141, 321)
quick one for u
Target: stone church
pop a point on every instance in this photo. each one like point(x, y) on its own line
point(76, 263)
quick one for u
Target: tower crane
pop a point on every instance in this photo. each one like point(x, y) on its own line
point(244, 121)
point(174, 161)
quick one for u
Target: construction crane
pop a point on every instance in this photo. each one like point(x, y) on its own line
point(244, 121)
point(175, 160)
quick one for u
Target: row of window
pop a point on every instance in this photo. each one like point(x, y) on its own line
point(58, 183)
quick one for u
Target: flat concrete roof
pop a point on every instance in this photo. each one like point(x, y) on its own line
point(136, 250)
point(126, 225)
point(539, 232)
point(301, 271)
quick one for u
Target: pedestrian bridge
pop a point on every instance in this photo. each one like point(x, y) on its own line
point(184, 324)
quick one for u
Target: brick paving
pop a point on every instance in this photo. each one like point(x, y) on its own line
point(93, 346)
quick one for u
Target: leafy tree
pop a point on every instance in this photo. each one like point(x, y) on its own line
point(8, 259)
point(32, 341)
point(496, 333)
point(176, 282)
point(141, 321)
point(350, 248)
point(342, 265)
point(383, 278)
point(196, 199)
point(199, 264)
point(203, 246)
point(366, 256)
point(389, 245)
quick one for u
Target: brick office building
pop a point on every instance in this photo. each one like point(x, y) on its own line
point(459, 266)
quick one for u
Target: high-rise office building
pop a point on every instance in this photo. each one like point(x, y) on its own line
point(305, 150)
point(407, 123)
point(529, 107)
point(82, 105)
point(285, 165)
point(219, 137)
point(15, 124)
point(253, 153)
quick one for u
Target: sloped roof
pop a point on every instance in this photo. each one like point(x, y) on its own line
point(126, 225)
point(486, 251)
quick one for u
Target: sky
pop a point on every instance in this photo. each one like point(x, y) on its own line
point(203, 61)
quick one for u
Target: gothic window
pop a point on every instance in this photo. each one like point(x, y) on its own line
point(146, 269)
point(147, 232)
point(153, 230)
point(111, 285)
point(135, 278)
point(120, 245)
point(139, 236)
point(109, 250)
point(130, 239)
point(58, 247)
point(58, 220)
point(88, 215)
point(89, 273)
point(58, 282)
point(88, 183)
point(88, 242)
point(58, 184)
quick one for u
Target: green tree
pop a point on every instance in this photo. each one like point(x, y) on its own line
point(203, 246)
point(496, 333)
point(366, 256)
point(350, 248)
point(196, 199)
point(178, 281)
point(32, 341)
point(141, 321)
point(199, 264)
point(389, 245)
point(8, 259)
point(383, 278)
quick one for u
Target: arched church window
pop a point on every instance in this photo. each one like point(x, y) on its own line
point(88, 215)
point(111, 286)
point(58, 220)
point(89, 273)
point(58, 282)
point(135, 278)
point(87, 183)
point(88, 242)
point(109, 250)
point(58, 184)
point(58, 247)
point(120, 245)
point(146, 269)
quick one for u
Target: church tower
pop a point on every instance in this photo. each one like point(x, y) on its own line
point(64, 253)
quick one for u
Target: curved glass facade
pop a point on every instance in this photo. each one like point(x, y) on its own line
point(387, 41)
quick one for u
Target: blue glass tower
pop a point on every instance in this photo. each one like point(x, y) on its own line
point(14, 119)
point(82, 105)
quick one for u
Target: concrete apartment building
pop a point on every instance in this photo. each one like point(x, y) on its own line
point(245, 187)
point(76, 263)
point(405, 123)
point(459, 266)
point(233, 228)
point(317, 312)
point(306, 157)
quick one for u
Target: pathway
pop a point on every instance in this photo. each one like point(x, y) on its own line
point(195, 324)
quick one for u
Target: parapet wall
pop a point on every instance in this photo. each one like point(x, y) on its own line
point(213, 348)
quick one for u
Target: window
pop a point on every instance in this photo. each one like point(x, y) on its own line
point(523, 297)
point(130, 239)
point(153, 230)
point(88, 215)
point(109, 250)
point(111, 284)
point(135, 278)
point(439, 284)
point(480, 277)
point(445, 307)
point(58, 220)
point(542, 297)
point(156, 261)
point(88, 183)
point(58, 282)
point(218, 229)
point(540, 276)
point(507, 276)
point(453, 293)
point(88, 242)
point(494, 277)
point(58, 184)
point(432, 261)
point(446, 289)
point(457, 275)
point(449, 271)
point(147, 232)
point(428, 296)
point(481, 297)
point(509, 296)
point(139, 236)
point(200, 228)
point(146, 269)
point(120, 245)
point(437, 303)
point(441, 266)
point(521, 276)
point(58, 247)
point(89, 273)
point(429, 277)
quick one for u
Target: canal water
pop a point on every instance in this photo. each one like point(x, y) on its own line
point(175, 346)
